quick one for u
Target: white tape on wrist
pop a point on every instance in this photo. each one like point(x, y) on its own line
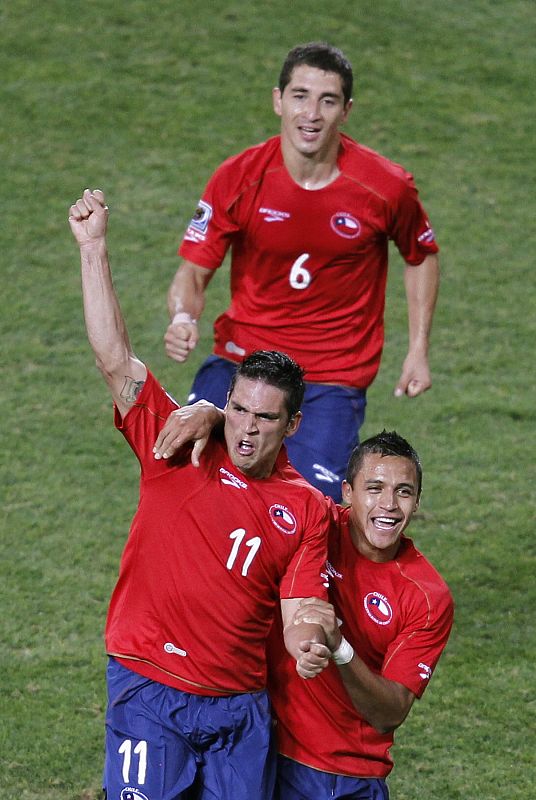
point(183, 316)
point(344, 653)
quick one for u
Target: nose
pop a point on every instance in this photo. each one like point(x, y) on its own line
point(312, 109)
point(251, 424)
point(388, 499)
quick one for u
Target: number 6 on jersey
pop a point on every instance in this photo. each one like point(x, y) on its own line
point(299, 277)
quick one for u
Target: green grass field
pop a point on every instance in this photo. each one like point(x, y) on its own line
point(144, 99)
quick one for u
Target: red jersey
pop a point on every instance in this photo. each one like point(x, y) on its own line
point(209, 553)
point(398, 616)
point(308, 268)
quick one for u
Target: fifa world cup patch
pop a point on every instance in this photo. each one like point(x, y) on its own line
point(283, 519)
point(202, 216)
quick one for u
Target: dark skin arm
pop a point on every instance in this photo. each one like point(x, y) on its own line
point(383, 703)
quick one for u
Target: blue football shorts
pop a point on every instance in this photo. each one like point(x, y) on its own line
point(165, 744)
point(328, 432)
point(298, 782)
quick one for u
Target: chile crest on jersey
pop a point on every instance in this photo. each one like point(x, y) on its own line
point(345, 225)
point(283, 519)
point(378, 608)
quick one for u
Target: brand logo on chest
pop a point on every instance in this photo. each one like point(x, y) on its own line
point(231, 480)
point(272, 215)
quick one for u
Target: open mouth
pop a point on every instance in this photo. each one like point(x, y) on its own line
point(309, 132)
point(385, 523)
point(245, 448)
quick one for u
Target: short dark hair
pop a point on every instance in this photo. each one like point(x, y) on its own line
point(386, 443)
point(322, 56)
point(276, 369)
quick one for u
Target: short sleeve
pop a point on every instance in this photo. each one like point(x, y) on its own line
point(409, 226)
point(211, 229)
point(306, 573)
point(413, 655)
point(144, 421)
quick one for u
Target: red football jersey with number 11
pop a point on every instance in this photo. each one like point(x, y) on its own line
point(209, 554)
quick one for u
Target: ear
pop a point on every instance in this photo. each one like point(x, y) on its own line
point(346, 111)
point(276, 100)
point(293, 424)
point(347, 493)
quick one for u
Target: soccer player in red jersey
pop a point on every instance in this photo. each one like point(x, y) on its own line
point(308, 216)
point(214, 547)
point(386, 626)
point(388, 621)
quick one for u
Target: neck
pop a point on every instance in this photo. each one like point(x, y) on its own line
point(314, 171)
point(364, 547)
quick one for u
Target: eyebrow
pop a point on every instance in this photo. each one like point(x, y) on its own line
point(335, 95)
point(377, 482)
point(264, 414)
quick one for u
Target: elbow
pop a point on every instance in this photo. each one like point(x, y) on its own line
point(387, 723)
point(384, 725)
point(384, 728)
point(112, 362)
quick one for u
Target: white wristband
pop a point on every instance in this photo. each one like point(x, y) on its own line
point(344, 653)
point(183, 316)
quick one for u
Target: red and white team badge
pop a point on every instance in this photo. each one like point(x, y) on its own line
point(283, 519)
point(345, 225)
point(378, 608)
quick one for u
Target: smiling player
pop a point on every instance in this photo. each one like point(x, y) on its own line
point(388, 621)
point(308, 216)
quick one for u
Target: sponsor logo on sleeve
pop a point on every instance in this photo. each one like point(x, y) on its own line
point(283, 519)
point(378, 608)
point(332, 571)
point(345, 225)
point(428, 236)
point(425, 672)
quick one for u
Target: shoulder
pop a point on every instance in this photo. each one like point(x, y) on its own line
point(152, 398)
point(312, 505)
point(372, 170)
point(423, 577)
point(250, 163)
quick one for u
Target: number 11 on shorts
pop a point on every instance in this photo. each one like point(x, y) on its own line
point(141, 751)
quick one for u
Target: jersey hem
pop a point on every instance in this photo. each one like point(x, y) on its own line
point(335, 772)
point(152, 671)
